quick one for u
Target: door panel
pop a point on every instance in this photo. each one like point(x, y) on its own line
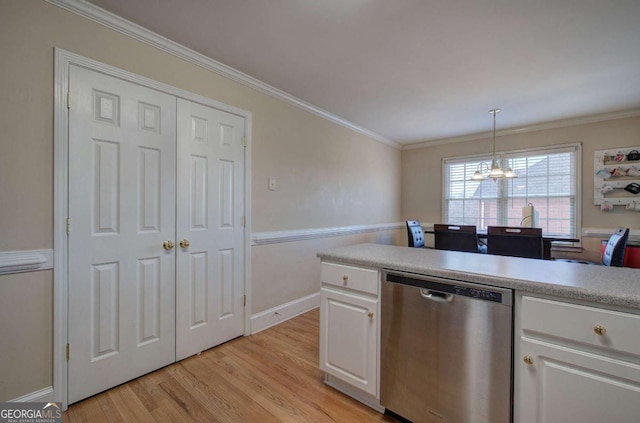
point(566, 385)
point(121, 209)
point(349, 345)
point(210, 207)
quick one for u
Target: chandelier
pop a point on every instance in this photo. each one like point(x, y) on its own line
point(495, 171)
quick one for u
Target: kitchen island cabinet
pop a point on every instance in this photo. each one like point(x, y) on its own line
point(349, 330)
point(564, 370)
point(575, 363)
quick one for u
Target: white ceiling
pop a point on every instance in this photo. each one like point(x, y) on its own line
point(420, 70)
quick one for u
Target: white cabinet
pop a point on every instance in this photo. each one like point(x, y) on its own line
point(349, 325)
point(575, 363)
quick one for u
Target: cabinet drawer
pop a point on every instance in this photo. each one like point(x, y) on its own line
point(357, 278)
point(589, 325)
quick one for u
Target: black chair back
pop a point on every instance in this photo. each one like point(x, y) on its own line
point(613, 254)
point(415, 233)
point(456, 237)
point(514, 241)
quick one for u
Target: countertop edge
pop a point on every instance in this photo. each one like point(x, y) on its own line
point(608, 295)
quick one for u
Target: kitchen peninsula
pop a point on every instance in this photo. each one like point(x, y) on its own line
point(576, 328)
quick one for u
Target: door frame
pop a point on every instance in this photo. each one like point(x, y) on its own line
point(63, 62)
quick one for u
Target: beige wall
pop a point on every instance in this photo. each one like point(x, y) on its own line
point(26, 338)
point(327, 175)
point(422, 192)
point(280, 284)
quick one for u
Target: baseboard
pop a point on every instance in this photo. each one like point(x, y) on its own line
point(42, 395)
point(273, 316)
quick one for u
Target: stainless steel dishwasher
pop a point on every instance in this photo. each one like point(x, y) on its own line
point(446, 350)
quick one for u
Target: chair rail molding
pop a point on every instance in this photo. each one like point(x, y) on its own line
point(605, 233)
point(25, 261)
point(262, 238)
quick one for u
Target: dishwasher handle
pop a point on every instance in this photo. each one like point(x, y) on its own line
point(438, 297)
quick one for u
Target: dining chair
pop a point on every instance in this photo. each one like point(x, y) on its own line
point(415, 234)
point(514, 241)
point(456, 237)
point(613, 254)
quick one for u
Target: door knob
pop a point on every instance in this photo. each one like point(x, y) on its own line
point(185, 243)
point(528, 359)
point(168, 245)
point(370, 314)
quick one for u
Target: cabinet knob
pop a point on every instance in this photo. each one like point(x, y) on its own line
point(600, 330)
point(528, 359)
point(345, 278)
point(370, 314)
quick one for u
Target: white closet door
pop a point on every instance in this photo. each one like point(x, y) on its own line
point(122, 209)
point(210, 209)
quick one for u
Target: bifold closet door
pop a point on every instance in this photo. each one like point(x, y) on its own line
point(210, 228)
point(122, 149)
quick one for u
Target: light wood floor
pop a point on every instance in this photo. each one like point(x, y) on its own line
point(272, 376)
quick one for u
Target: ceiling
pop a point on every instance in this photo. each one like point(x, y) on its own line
point(419, 70)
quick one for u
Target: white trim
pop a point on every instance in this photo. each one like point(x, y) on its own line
point(273, 316)
point(553, 148)
point(60, 214)
point(605, 233)
point(41, 395)
point(25, 261)
point(262, 238)
point(532, 128)
point(123, 26)
point(248, 280)
point(63, 61)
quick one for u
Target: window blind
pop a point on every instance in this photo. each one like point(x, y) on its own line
point(547, 179)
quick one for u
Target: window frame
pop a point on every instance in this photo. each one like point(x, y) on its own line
point(503, 194)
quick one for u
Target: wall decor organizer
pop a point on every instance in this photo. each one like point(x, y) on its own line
point(617, 178)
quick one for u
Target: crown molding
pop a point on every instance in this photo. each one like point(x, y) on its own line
point(531, 128)
point(137, 32)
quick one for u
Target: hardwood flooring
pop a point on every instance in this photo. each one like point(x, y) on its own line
point(272, 376)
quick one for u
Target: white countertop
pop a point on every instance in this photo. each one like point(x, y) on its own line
point(600, 284)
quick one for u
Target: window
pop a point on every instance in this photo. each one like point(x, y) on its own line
point(547, 178)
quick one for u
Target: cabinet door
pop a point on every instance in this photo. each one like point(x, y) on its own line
point(565, 385)
point(349, 337)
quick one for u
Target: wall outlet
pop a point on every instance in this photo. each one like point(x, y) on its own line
point(272, 183)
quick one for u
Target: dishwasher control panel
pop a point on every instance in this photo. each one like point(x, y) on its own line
point(454, 287)
point(481, 294)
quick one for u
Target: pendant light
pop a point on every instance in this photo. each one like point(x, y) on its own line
point(495, 171)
